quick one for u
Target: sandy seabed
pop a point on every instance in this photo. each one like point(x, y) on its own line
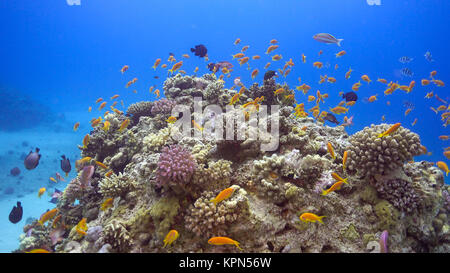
point(25, 186)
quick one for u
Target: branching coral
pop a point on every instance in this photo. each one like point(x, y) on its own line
point(117, 185)
point(116, 234)
point(370, 154)
point(205, 219)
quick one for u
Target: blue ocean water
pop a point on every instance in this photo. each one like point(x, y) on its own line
point(63, 57)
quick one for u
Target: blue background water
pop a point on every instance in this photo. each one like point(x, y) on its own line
point(65, 57)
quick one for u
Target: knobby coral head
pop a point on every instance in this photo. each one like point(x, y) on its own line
point(176, 165)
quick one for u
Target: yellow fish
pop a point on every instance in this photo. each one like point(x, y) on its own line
point(108, 203)
point(124, 125)
point(344, 160)
point(311, 217)
point(171, 119)
point(390, 130)
point(41, 192)
point(443, 166)
point(75, 127)
point(38, 250)
point(170, 237)
point(223, 241)
point(225, 194)
point(338, 178)
point(53, 179)
point(81, 227)
point(106, 126)
point(331, 150)
point(336, 186)
point(47, 216)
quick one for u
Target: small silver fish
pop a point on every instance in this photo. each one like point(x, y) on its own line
point(406, 72)
point(327, 39)
point(405, 59)
point(428, 56)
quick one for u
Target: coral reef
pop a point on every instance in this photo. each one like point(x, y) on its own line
point(370, 154)
point(161, 182)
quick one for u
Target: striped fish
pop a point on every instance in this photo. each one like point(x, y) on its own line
point(406, 72)
point(327, 39)
point(405, 59)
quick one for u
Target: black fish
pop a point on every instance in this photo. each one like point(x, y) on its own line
point(65, 165)
point(269, 74)
point(200, 50)
point(32, 160)
point(16, 214)
point(15, 171)
point(331, 118)
point(350, 96)
point(171, 54)
point(155, 77)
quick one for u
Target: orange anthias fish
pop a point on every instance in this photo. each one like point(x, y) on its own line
point(334, 187)
point(267, 65)
point(273, 41)
point(278, 91)
point(75, 127)
point(108, 203)
point(344, 160)
point(255, 73)
point(185, 56)
point(101, 165)
point(372, 98)
point(81, 227)
point(277, 57)
point(338, 178)
point(223, 241)
point(303, 58)
point(425, 82)
point(238, 55)
point(271, 48)
point(124, 125)
point(243, 60)
point(331, 150)
point(366, 78)
point(225, 194)
point(237, 41)
point(98, 100)
point(443, 166)
point(47, 216)
point(102, 106)
point(38, 250)
point(391, 130)
point(245, 48)
point(256, 57)
point(355, 86)
point(176, 66)
point(114, 97)
point(347, 74)
point(311, 217)
point(124, 68)
point(318, 64)
point(234, 99)
point(157, 62)
point(383, 81)
point(170, 237)
point(340, 53)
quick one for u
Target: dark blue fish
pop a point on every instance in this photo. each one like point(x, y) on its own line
point(405, 59)
point(65, 165)
point(406, 72)
point(32, 159)
point(350, 96)
point(55, 196)
point(200, 50)
point(331, 118)
point(408, 104)
point(269, 74)
point(16, 213)
point(428, 57)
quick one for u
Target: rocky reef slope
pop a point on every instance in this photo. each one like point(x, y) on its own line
point(161, 182)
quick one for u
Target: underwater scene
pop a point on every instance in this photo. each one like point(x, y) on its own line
point(262, 126)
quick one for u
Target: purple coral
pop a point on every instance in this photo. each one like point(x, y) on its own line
point(399, 193)
point(175, 164)
point(163, 106)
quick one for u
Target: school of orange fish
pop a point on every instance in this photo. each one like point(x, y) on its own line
point(319, 97)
